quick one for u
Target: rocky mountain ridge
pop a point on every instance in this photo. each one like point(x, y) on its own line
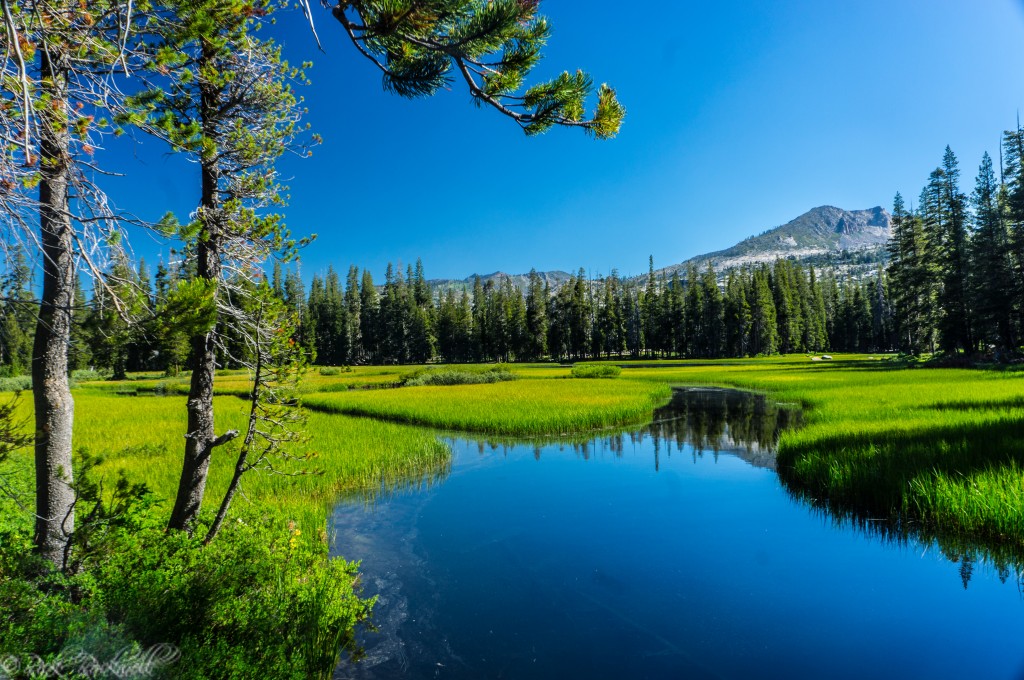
point(823, 236)
point(851, 242)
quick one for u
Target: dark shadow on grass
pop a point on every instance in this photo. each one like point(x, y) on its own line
point(984, 405)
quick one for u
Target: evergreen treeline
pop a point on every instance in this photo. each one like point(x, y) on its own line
point(773, 309)
point(769, 309)
point(956, 261)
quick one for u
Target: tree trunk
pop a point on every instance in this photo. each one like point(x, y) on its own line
point(201, 436)
point(54, 407)
point(200, 439)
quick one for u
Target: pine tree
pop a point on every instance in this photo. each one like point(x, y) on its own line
point(17, 316)
point(649, 309)
point(481, 326)
point(991, 275)
point(1012, 208)
point(369, 318)
point(394, 341)
point(214, 90)
point(910, 277)
point(173, 343)
point(737, 319)
point(956, 319)
point(713, 314)
point(536, 337)
point(353, 318)
point(79, 352)
point(696, 315)
point(118, 301)
point(317, 321)
point(677, 315)
point(579, 316)
point(764, 332)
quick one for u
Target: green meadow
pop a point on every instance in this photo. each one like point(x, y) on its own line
point(938, 449)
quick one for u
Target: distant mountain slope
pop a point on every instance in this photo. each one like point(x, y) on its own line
point(850, 242)
point(819, 236)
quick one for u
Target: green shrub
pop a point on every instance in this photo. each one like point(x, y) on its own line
point(262, 600)
point(257, 586)
point(449, 376)
point(335, 370)
point(16, 384)
point(595, 371)
point(89, 375)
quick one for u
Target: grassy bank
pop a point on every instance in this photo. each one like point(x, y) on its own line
point(352, 456)
point(262, 600)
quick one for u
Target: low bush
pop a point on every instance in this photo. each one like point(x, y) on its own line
point(88, 375)
point(137, 591)
point(451, 376)
point(595, 371)
point(18, 383)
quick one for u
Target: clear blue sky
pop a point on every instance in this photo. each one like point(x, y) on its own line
point(741, 116)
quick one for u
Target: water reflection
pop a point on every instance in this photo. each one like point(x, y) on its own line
point(969, 553)
point(696, 419)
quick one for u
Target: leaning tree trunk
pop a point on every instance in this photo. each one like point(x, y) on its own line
point(54, 407)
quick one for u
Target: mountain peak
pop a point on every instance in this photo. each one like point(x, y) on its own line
point(820, 232)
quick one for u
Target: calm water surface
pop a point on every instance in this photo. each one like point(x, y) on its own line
point(669, 552)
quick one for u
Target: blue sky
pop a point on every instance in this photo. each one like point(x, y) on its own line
point(741, 116)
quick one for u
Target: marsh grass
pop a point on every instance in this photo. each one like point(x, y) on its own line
point(522, 407)
point(458, 376)
point(596, 371)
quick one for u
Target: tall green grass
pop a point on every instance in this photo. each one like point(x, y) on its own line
point(143, 436)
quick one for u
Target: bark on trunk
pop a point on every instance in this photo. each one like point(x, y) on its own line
point(54, 407)
point(201, 436)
